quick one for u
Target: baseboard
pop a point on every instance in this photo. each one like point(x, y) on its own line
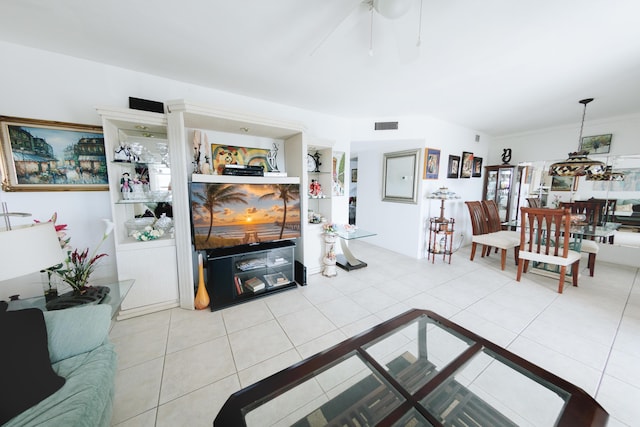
point(147, 309)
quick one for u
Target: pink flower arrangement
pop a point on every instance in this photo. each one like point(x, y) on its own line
point(79, 265)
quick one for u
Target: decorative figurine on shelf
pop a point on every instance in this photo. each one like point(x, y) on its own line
point(315, 189)
point(196, 152)
point(125, 185)
point(124, 154)
point(272, 158)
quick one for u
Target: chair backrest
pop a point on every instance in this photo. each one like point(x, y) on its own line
point(478, 218)
point(492, 214)
point(534, 202)
point(591, 210)
point(545, 231)
point(608, 207)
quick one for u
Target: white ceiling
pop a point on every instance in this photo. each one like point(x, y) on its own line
point(496, 66)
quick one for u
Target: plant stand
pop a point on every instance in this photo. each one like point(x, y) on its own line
point(329, 259)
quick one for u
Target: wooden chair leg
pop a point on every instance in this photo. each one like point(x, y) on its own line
point(516, 252)
point(591, 264)
point(473, 250)
point(503, 258)
point(563, 273)
point(526, 265)
point(575, 271)
point(519, 275)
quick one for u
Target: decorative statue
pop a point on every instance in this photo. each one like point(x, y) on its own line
point(272, 158)
point(315, 189)
point(506, 156)
point(125, 183)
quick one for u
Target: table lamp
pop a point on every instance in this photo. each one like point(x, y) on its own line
point(27, 249)
point(443, 194)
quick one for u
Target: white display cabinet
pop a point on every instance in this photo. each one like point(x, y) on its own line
point(185, 117)
point(319, 169)
point(140, 179)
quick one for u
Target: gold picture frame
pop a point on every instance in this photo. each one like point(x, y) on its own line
point(41, 155)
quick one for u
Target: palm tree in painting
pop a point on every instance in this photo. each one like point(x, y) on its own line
point(217, 195)
point(286, 193)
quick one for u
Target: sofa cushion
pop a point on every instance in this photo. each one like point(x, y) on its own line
point(27, 377)
point(77, 330)
point(87, 397)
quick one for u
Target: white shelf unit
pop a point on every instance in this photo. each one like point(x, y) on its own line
point(152, 264)
point(183, 118)
point(323, 206)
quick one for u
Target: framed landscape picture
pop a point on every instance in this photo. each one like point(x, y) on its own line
point(561, 183)
point(454, 166)
point(431, 163)
point(598, 144)
point(39, 155)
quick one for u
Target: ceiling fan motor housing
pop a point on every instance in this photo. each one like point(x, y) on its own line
point(392, 9)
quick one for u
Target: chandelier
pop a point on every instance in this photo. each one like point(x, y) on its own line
point(578, 164)
point(608, 175)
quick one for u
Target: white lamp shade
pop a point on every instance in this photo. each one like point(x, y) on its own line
point(29, 249)
point(392, 9)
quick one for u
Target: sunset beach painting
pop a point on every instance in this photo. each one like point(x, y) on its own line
point(225, 215)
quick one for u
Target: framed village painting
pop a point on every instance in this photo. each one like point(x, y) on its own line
point(40, 155)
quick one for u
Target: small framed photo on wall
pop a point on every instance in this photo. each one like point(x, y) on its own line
point(454, 166)
point(431, 163)
point(477, 167)
point(467, 165)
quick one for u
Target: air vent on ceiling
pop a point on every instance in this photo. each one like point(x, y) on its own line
point(386, 126)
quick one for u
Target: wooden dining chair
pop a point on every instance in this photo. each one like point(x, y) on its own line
point(534, 202)
point(545, 236)
point(482, 235)
point(607, 212)
point(508, 239)
point(591, 211)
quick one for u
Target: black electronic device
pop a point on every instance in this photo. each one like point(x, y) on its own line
point(243, 170)
point(300, 273)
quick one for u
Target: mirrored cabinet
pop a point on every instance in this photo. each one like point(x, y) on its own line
point(502, 183)
point(139, 168)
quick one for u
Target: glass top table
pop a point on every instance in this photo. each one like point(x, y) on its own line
point(117, 292)
point(346, 260)
point(417, 369)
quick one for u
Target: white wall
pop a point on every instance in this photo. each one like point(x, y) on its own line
point(402, 227)
point(48, 86)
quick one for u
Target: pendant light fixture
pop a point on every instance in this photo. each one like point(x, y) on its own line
point(608, 175)
point(578, 164)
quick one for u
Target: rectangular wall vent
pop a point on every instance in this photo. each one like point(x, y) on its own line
point(386, 125)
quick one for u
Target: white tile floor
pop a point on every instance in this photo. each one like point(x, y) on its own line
point(178, 367)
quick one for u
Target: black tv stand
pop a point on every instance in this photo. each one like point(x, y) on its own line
point(242, 273)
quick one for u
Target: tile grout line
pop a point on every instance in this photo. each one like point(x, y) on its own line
point(613, 342)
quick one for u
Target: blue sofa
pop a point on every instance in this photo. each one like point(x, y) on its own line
point(80, 352)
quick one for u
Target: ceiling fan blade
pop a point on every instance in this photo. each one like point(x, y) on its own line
point(350, 20)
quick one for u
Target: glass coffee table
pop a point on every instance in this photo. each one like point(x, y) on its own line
point(417, 369)
point(117, 292)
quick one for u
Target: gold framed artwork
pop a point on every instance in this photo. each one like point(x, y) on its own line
point(41, 155)
point(431, 163)
point(562, 183)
